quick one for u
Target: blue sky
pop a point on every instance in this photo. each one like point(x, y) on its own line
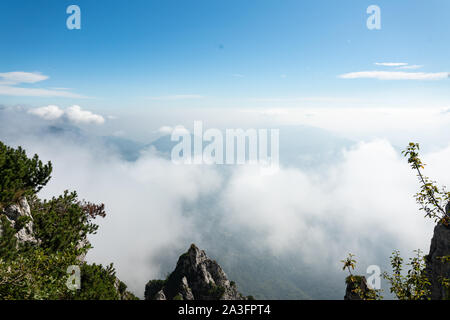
point(139, 53)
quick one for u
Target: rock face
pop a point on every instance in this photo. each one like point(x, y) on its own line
point(358, 282)
point(435, 268)
point(196, 277)
point(15, 212)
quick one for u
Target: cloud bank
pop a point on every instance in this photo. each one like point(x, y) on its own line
point(362, 203)
point(74, 114)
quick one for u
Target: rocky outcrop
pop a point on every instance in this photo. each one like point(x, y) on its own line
point(436, 269)
point(196, 277)
point(18, 213)
point(122, 291)
point(357, 288)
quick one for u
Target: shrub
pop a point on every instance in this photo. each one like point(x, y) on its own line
point(20, 175)
point(61, 227)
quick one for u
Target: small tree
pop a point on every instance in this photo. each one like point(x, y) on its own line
point(357, 284)
point(20, 175)
point(64, 222)
point(435, 201)
point(412, 286)
point(38, 269)
point(431, 198)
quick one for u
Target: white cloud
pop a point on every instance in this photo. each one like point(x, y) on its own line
point(179, 129)
point(373, 121)
point(10, 78)
point(399, 65)
point(74, 114)
point(9, 82)
point(395, 75)
point(48, 113)
point(144, 203)
point(360, 205)
point(34, 92)
point(391, 64)
point(77, 115)
point(165, 130)
point(411, 67)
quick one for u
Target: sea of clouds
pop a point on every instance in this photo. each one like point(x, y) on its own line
point(361, 203)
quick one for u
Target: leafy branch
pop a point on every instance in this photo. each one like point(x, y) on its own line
point(431, 198)
point(358, 284)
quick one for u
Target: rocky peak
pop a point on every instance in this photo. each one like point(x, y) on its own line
point(196, 277)
point(437, 269)
point(357, 288)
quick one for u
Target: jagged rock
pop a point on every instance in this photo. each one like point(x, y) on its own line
point(121, 288)
point(83, 243)
point(160, 295)
point(185, 291)
point(354, 283)
point(16, 211)
point(435, 268)
point(196, 277)
point(21, 209)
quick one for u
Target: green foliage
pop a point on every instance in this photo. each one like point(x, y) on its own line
point(21, 222)
point(445, 282)
point(35, 274)
point(431, 198)
point(8, 240)
point(358, 283)
point(63, 222)
point(349, 263)
point(20, 175)
point(415, 284)
point(97, 283)
point(122, 287)
point(153, 287)
point(215, 292)
point(178, 297)
point(38, 270)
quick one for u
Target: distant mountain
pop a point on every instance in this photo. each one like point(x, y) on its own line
point(67, 129)
point(300, 146)
point(129, 150)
